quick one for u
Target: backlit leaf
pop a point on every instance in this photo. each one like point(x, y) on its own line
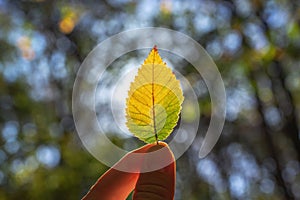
point(154, 100)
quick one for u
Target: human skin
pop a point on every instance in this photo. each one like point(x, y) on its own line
point(155, 185)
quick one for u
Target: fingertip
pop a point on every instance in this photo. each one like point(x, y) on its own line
point(162, 143)
point(160, 183)
point(156, 185)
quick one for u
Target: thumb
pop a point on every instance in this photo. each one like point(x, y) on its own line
point(115, 184)
point(158, 184)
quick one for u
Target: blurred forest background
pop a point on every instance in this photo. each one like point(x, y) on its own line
point(255, 45)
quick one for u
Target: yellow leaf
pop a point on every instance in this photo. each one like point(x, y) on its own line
point(154, 100)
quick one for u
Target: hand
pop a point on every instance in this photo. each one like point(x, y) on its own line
point(155, 185)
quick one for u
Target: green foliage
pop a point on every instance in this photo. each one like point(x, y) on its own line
point(255, 45)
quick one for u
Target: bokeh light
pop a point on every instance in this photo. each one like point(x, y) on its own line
point(255, 45)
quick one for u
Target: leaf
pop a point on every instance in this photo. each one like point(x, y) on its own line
point(154, 100)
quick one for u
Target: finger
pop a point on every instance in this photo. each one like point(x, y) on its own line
point(159, 184)
point(114, 184)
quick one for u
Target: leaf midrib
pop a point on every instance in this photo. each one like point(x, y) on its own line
point(153, 100)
